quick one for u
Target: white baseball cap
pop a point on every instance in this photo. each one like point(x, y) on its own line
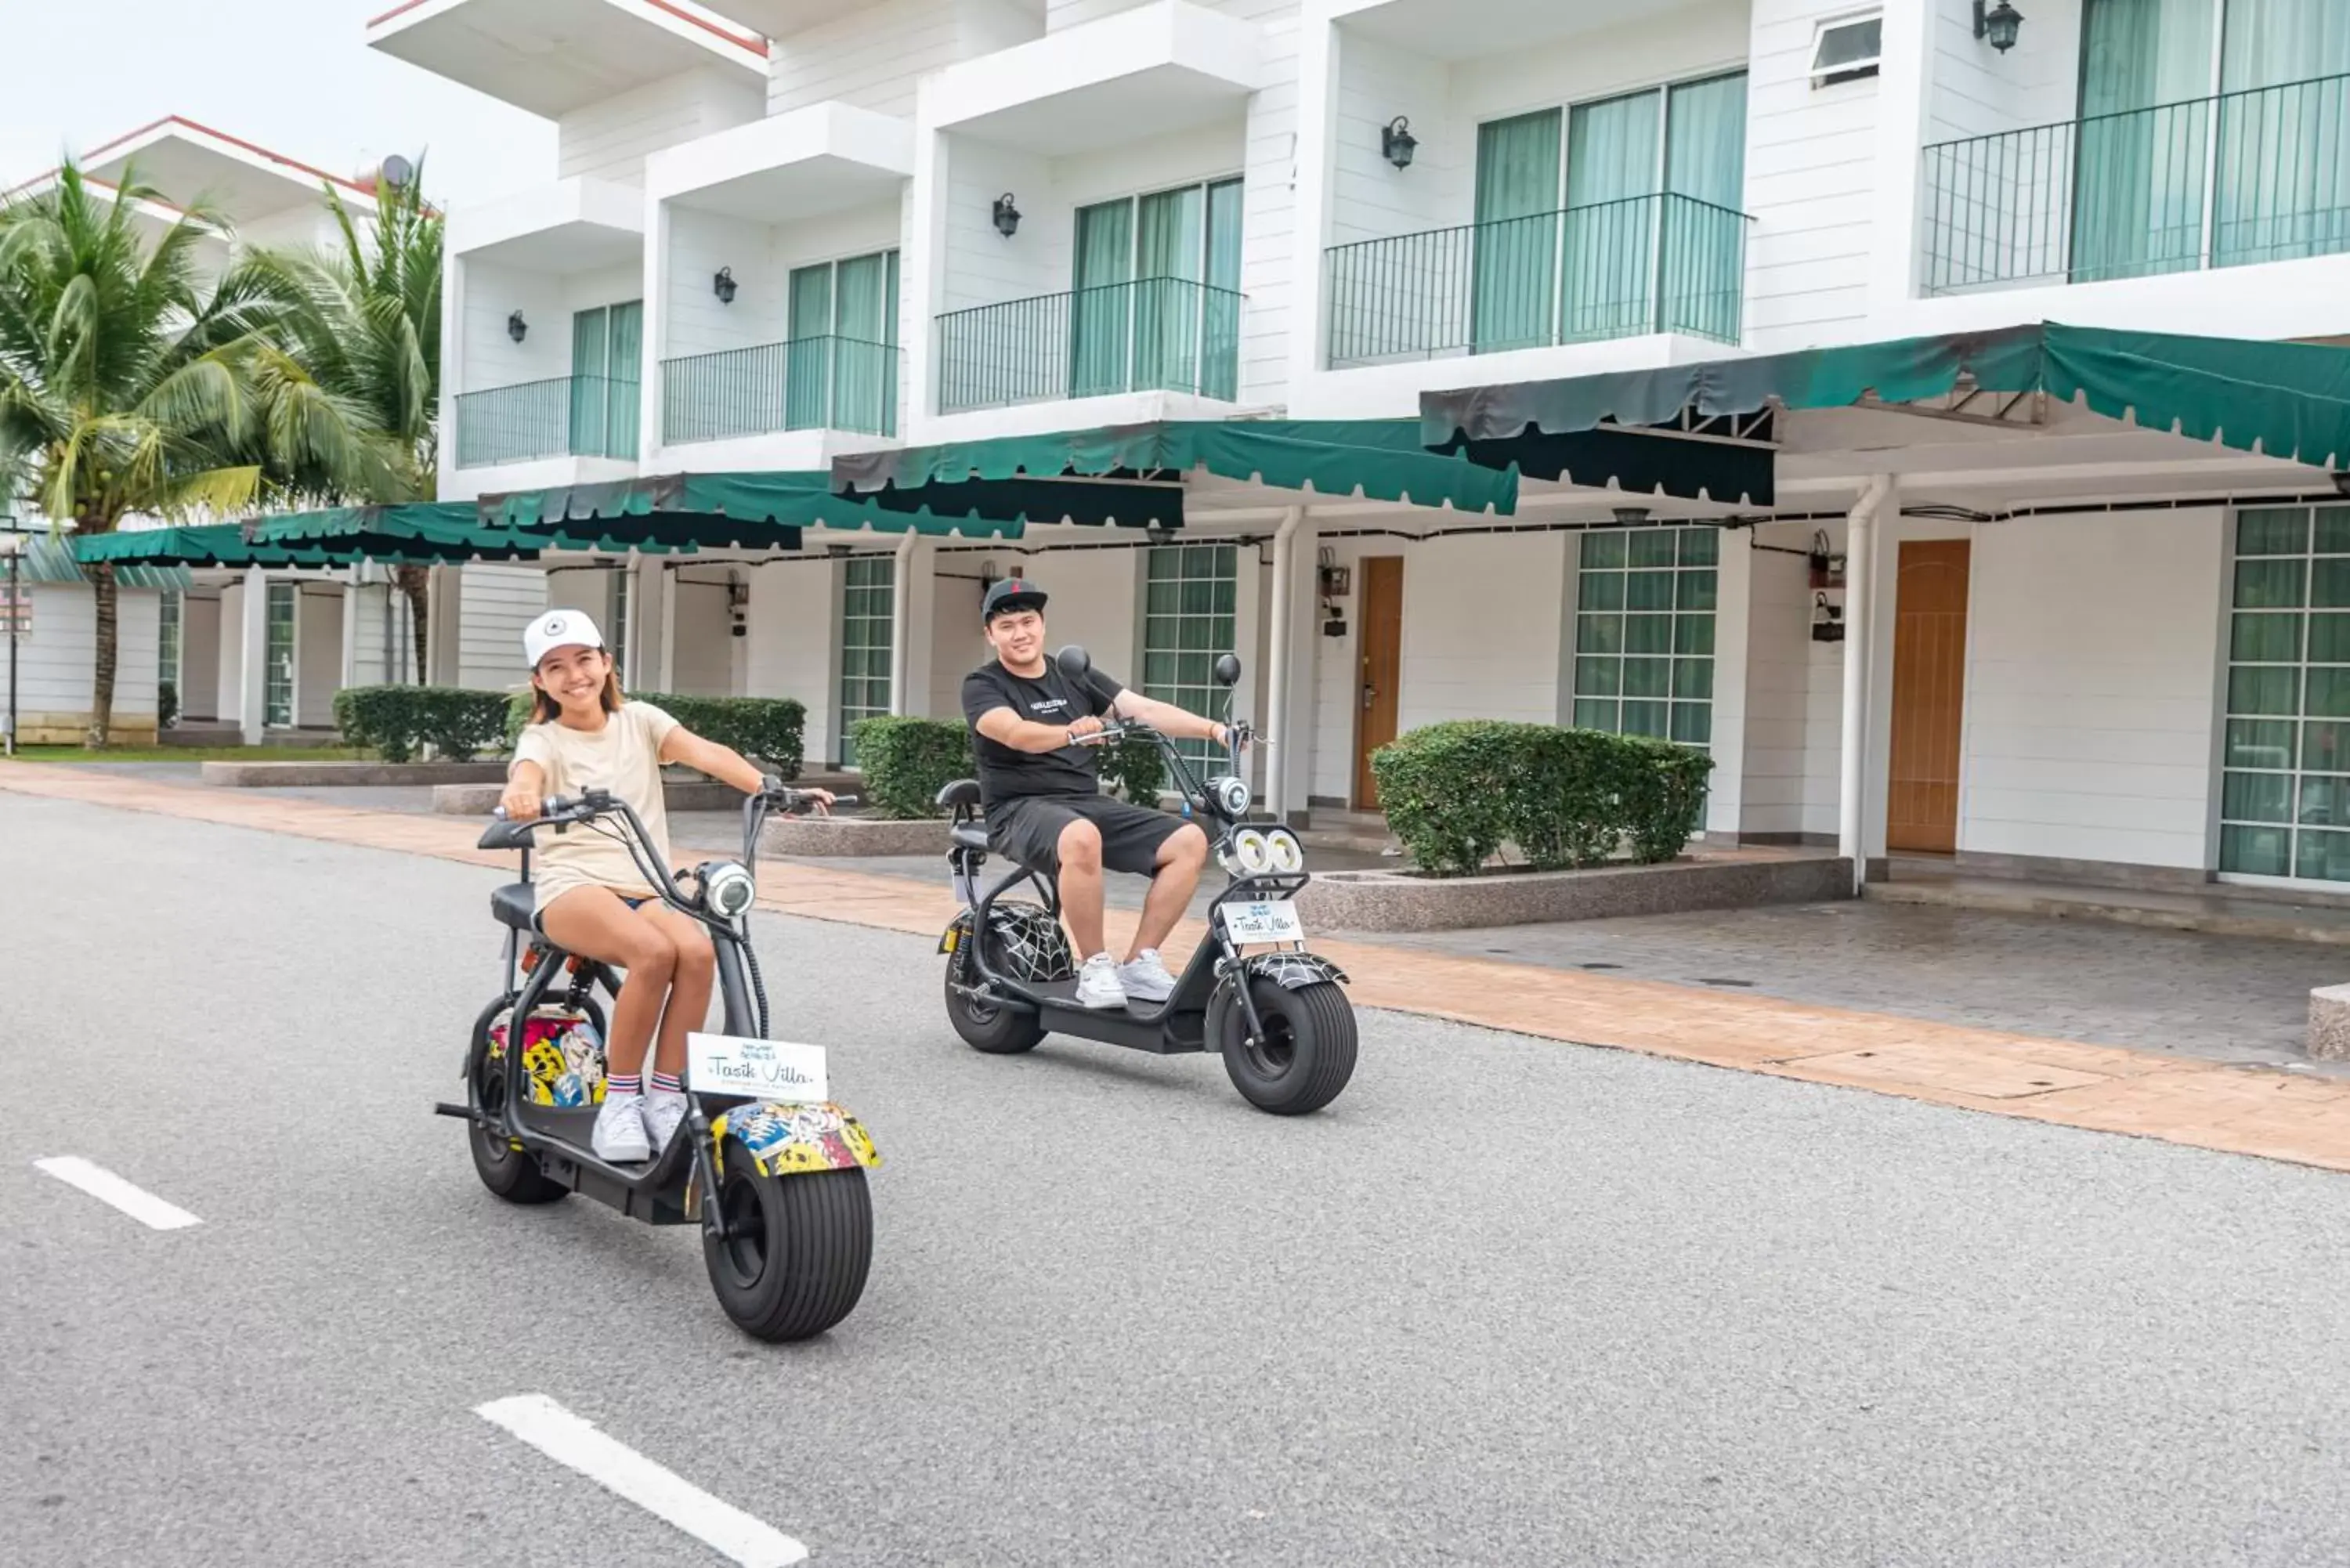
point(559, 628)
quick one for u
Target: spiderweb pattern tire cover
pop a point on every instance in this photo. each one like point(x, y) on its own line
point(1027, 944)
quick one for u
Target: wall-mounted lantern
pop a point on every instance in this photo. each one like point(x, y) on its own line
point(1998, 24)
point(1827, 620)
point(1007, 217)
point(1396, 142)
point(516, 328)
point(723, 286)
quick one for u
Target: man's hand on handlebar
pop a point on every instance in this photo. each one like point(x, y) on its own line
point(1085, 730)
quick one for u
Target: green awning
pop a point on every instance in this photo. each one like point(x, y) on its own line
point(2281, 399)
point(52, 560)
point(735, 511)
point(415, 535)
point(1144, 466)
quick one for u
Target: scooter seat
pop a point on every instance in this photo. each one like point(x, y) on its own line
point(517, 905)
point(969, 835)
point(961, 793)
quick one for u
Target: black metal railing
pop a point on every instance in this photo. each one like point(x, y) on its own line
point(1666, 262)
point(2243, 177)
point(567, 416)
point(1155, 335)
point(807, 383)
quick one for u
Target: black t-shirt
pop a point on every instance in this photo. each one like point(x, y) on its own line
point(1049, 698)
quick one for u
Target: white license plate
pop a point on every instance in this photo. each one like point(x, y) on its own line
point(1251, 924)
point(760, 1069)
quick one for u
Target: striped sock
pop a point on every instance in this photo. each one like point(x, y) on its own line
point(667, 1084)
point(624, 1083)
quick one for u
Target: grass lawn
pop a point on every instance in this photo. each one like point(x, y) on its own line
point(193, 754)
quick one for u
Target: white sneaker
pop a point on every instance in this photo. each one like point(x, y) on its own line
point(1145, 979)
point(620, 1136)
point(664, 1113)
point(1097, 986)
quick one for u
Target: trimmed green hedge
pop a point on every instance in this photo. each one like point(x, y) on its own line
point(769, 731)
point(1135, 769)
point(1455, 793)
point(906, 762)
point(398, 721)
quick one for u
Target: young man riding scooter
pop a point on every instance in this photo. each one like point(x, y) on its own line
point(1039, 787)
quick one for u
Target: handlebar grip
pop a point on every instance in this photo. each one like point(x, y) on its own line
point(844, 800)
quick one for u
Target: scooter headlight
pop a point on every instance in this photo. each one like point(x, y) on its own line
point(1254, 852)
point(1283, 853)
point(1231, 794)
point(729, 890)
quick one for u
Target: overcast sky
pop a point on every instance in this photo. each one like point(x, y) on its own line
point(292, 76)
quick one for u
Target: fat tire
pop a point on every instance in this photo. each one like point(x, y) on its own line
point(1006, 1031)
point(510, 1173)
point(804, 1269)
point(1320, 1047)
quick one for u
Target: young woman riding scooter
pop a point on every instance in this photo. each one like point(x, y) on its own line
point(592, 898)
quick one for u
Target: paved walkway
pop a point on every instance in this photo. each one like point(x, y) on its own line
point(2207, 1105)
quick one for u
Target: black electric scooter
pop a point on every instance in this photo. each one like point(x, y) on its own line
point(1278, 1015)
point(777, 1185)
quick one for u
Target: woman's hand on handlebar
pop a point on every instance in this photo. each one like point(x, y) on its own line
point(521, 802)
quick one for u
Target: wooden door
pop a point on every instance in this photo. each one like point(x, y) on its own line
point(1930, 657)
point(1378, 668)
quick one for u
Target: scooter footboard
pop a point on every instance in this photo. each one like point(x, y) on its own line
point(793, 1140)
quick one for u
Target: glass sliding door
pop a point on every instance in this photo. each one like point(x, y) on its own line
point(624, 378)
point(2280, 181)
point(2140, 162)
point(1609, 265)
point(1220, 371)
point(808, 364)
point(1700, 268)
point(1514, 264)
point(1171, 237)
point(1101, 311)
point(607, 344)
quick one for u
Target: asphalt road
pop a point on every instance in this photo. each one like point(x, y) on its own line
point(1507, 1301)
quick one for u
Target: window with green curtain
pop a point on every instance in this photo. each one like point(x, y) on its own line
point(1699, 270)
point(624, 375)
point(1101, 310)
point(867, 619)
point(1170, 240)
point(1191, 597)
point(2143, 138)
point(1220, 370)
point(278, 658)
point(808, 365)
point(1609, 265)
point(1514, 246)
point(1644, 632)
point(169, 616)
point(2284, 784)
point(2280, 179)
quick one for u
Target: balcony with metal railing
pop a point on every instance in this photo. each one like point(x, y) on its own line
point(1644, 265)
point(805, 384)
point(2260, 175)
point(567, 416)
point(1154, 335)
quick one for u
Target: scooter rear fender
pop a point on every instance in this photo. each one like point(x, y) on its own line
point(793, 1139)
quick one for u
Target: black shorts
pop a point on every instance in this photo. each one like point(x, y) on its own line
point(1027, 831)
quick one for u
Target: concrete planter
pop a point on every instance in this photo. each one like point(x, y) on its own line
point(851, 837)
point(1394, 901)
point(681, 794)
point(356, 775)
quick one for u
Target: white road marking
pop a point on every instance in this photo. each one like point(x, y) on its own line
point(107, 1187)
point(571, 1441)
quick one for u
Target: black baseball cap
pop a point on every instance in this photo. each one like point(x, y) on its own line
point(1010, 594)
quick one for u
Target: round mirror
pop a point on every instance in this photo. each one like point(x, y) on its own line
point(1228, 669)
point(1074, 662)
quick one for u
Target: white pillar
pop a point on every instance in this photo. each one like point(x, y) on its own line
point(1904, 91)
point(1278, 706)
point(633, 630)
point(668, 590)
point(253, 701)
point(350, 675)
point(901, 619)
point(1853, 756)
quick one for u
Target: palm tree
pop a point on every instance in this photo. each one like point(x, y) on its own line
point(363, 318)
point(134, 381)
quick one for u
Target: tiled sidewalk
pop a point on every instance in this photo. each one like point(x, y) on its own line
point(2274, 1114)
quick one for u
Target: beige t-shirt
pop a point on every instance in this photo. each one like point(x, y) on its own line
point(623, 757)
